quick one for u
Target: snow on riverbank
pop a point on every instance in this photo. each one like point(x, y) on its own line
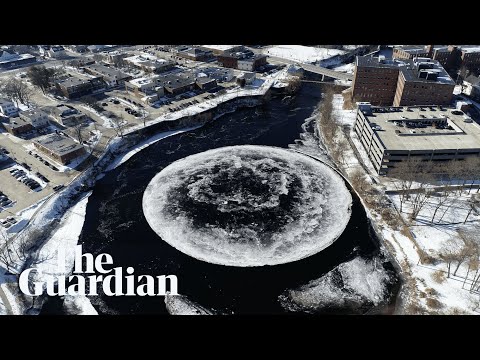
point(452, 295)
point(119, 160)
point(259, 88)
point(302, 53)
point(65, 238)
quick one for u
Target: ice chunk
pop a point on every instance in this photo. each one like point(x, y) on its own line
point(248, 205)
point(353, 284)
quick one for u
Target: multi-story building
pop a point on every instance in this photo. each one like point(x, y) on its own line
point(149, 63)
point(471, 87)
point(10, 61)
point(390, 135)
point(111, 76)
point(7, 108)
point(375, 80)
point(223, 49)
point(471, 58)
point(252, 63)
point(146, 89)
point(420, 81)
point(423, 82)
point(409, 52)
point(59, 148)
point(18, 126)
point(74, 87)
point(37, 117)
point(195, 54)
point(67, 115)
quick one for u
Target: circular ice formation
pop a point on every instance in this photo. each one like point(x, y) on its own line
point(248, 205)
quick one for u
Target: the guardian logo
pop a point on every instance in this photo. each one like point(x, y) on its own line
point(112, 281)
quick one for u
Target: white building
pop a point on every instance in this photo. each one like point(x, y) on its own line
point(57, 52)
point(38, 118)
point(7, 108)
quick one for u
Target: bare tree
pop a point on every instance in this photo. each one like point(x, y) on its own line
point(17, 91)
point(41, 76)
point(118, 125)
point(6, 251)
point(469, 249)
point(449, 253)
point(473, 202)
point(442, 198)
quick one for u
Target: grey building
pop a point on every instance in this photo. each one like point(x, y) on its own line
point(390, 135)
point(68, 115)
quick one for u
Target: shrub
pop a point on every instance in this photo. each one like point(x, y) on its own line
point(433, 303)
point(439, 277)
point(431, 292)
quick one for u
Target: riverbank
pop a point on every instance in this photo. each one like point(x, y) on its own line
point(118, 151)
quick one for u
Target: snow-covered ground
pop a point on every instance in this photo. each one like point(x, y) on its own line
point(259, 88)
point(302, 53)
point(427, 237)
point(64, 239)
point(346, 68)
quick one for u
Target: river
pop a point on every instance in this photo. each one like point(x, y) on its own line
point(115, 223)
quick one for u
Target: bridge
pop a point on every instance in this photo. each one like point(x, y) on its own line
point(313, 68)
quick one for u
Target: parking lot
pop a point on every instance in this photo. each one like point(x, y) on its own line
point(21, 195)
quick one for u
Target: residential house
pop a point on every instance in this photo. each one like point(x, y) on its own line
point(17, 126)
point(67, 115)
point(7, 108)
point(37, 117)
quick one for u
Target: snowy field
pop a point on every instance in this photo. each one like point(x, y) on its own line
point(453, 293)
point(346, 68)
point(302, 53)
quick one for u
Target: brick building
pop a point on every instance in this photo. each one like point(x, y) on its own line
point(382, 82)
point(59, 148)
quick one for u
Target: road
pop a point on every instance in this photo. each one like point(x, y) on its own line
point(312, 68)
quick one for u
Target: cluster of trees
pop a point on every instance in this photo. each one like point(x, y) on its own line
point(20, 250)
point(438, 184)
point(464, 249)
point(43, 77)
point(16, 90)
point(329, 127)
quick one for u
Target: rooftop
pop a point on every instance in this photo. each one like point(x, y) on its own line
point(5, 102)
point(457, 134)
point(220, 47)
point(17, 122)
point(107, 71)
point(32, 112)
point(58, 144)
point(418, 69)
point(432, 70)
point(141, 81)
point(73, 81)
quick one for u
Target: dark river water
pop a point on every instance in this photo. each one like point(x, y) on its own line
point(115, 223)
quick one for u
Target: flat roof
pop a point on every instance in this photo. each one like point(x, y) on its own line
point(221, 47)
point(375, 62)
point(409, 68)
point(463, 136)
point(73, 81)
point(58, 144)
point(105, 70)
point(410, 72)
point(17, 122)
